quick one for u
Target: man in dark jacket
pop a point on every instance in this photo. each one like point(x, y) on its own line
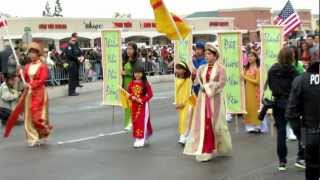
point(74, 56)
point(4, 59)
point(304, 102)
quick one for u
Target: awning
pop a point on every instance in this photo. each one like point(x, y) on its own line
point(54, 36)
point(13, 37)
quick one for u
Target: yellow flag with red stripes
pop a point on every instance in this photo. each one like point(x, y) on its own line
point(168, 23)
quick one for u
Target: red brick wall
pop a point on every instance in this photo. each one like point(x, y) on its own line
point(247, 20)
point(306, 18)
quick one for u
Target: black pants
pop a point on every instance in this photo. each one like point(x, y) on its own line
point(281, 125)
point(4, 115)
point(301, 151)
point(313, 160)
point(73, 77)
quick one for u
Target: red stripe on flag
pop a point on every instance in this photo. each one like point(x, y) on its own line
point(276, 20)
point(3, 23)
point(292, 27)
point(291, 24)
point(290, 30)
point(290, 18)
point(157, 4)
point(176, 18)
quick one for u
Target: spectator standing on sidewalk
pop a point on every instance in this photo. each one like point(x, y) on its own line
point(74, 56)
point(8, 98)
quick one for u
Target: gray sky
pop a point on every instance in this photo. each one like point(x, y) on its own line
point(141, 8)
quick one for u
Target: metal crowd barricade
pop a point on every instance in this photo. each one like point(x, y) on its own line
point(59, 74)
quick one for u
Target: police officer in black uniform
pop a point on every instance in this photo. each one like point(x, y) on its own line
point(304, 103)
point(74, 55)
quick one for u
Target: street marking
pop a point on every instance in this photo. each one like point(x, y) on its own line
point(92, 106)
point(91, 137)
point(157, 98)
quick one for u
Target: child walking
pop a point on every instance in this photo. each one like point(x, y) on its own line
point(183, 85)
point(140, 94)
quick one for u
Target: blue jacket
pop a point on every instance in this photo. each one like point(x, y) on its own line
point(197, 63)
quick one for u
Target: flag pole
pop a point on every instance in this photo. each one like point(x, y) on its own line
point(12, 48)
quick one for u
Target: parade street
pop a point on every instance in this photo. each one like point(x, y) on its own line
point(88, 145)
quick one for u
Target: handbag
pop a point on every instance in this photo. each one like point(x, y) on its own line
point(267, 103)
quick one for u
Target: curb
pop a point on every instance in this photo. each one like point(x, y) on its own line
point(62, 91)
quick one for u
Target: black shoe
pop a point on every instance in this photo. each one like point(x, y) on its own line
point(74, 94)
point(80, 86)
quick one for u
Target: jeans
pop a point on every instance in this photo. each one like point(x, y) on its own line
point(300, 155)
point(281, 125)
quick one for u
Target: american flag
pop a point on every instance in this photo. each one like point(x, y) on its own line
point(289, 18)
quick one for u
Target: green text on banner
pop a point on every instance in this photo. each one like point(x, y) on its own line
point(111, 61)
point(183, 52)
point(271, 43)
point(230, 46)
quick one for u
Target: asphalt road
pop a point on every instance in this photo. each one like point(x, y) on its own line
point(88, 143)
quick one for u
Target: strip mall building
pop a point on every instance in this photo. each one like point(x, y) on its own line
point(205, 26)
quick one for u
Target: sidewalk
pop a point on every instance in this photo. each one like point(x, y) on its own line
point(62, 91)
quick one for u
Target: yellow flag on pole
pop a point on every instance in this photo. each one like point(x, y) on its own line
point(124, 98)
point(168, 23)
point(192, 100)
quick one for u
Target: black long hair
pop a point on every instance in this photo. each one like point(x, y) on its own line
point(184, 66)
point(246, 67)
point(140, 69)
point(135, 54)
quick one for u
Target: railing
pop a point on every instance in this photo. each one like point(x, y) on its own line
point(59, 75)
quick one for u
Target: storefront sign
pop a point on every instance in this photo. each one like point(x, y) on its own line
point(91, 25)
point(147, 25)
point(52, 26)
point(122, 24)
point(230, 45)
point(112, 65)
point(217, 24)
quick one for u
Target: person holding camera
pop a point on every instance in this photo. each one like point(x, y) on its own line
point(280, 78)
point(304, 102)
point(8, 98)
